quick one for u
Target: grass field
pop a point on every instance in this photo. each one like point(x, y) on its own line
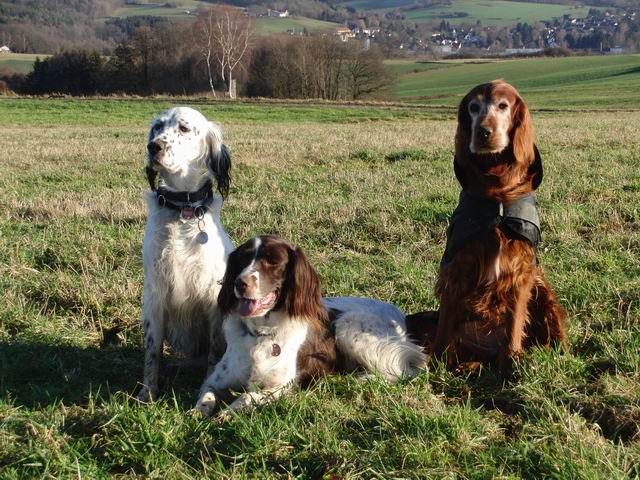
point(489, 12)
point(281, 25)
point(184, 9)
point(188, 10)
point(572, 82)
point(18, 62)
point(366, 192)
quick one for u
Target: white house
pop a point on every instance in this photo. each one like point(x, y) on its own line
point(345, 33)
point(277, 14)
point(5, 49)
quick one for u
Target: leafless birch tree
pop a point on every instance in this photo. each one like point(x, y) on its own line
point(204, 34)
point(226, 35)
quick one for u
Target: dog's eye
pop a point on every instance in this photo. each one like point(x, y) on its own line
point(503, 105)
point(158, 126)
point(184, 129)
point(474, 108)
point(270, 260)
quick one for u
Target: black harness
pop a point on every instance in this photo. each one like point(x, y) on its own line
point(476, 217)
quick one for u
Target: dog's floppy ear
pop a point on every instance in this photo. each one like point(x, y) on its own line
point(302, 288)
point(535, 170)
point(218, 159)
point(522, 132)
point(227, 298)
point(462, 141)
point(152, 175)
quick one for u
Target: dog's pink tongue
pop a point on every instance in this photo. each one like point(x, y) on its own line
point(248, 307)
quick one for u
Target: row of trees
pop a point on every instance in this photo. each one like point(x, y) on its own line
point(211, 55)
point(316, 67)
point(47, 26)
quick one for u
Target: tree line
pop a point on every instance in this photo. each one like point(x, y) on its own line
point(316, 67)
point(208, 56)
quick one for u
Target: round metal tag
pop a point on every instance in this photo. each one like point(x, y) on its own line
point(202, 238)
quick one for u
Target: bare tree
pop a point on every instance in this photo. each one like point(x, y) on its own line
point(366, 73)
point(204, 36)
point(226, 35)
point(316, 67)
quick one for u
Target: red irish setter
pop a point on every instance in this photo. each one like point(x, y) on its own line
point(494, 299)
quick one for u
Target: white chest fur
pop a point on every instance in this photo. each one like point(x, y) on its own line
point(264, 361)
point(181, 269)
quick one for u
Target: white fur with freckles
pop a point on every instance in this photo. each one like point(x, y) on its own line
point(370, 334)
point(249, 363)
point(181, 276)
point(373, 335)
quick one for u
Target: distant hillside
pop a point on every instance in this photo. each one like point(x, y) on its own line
point(17, 62)
point(281, 25)
point(546, 82)
point(593, 3)
point(48, 26)
point(179, 9)
point(488, 12)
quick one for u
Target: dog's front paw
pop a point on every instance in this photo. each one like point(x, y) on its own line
point(225, 415)
point(206, 404)
point(147, 394)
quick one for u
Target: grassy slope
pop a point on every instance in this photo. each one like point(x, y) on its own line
point(494, 12)
point(281, 25)
point(18, 62)
point(70, 269)
point(177, 12)
point(489, 12)
point(605, 81)
point(263, 25)
point(403, 66)
point(378, 5)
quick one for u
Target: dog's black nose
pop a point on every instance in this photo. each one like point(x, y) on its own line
point(241, 285)
point(155, 147)
point(484, 132)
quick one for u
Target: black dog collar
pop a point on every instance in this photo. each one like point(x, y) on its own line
point(181, 200)
point(190, 204)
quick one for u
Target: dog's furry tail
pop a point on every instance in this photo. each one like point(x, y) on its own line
point(378, 345)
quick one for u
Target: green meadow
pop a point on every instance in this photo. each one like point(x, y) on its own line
point(18, 62)
point(488, 12)
point(366, 191)
point(567, 82)
point(181, 9)
point(269, 25)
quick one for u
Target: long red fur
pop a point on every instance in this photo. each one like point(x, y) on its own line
point(519, 301)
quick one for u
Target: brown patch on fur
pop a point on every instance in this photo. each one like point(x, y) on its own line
point(284, 267)
point(317, 356)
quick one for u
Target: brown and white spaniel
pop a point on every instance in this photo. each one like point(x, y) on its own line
point(494, 299)
point(281, 332)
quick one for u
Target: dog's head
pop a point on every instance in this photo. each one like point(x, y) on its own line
point(267, 273)
point(495, 137)
point(184, 147)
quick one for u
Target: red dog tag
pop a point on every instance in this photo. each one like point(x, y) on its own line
point(276, 350)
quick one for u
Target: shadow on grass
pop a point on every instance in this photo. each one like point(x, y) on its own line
point(629, 71)
point(37, 374)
